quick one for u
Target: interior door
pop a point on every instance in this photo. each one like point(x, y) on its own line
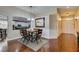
point(68, 26)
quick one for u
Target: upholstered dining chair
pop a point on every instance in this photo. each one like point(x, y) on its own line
point(24, 34)
point(37, 35)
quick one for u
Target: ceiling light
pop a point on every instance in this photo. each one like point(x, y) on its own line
point(59, 19)
point(32, 19)
point(77, 17)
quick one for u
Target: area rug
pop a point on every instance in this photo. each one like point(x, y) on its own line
point(34, 46)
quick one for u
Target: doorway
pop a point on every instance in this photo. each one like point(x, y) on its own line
point(68, 23)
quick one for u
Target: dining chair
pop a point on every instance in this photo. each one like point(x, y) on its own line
point(24, 34)
point(37, 35)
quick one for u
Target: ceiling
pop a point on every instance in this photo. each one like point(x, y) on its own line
point(63, 10)
point(37, 9)
point(67, 12)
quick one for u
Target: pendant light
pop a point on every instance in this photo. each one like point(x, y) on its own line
point(31, 18)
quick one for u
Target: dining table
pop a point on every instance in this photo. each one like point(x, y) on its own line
point(31, 35)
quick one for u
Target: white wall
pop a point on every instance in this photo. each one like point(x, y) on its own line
point(10, 12)
point(53, 32)
point(45, 33)
point(13, 11)
point(49, 32)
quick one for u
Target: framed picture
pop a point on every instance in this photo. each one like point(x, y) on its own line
point(40, 22)
point(21, 23)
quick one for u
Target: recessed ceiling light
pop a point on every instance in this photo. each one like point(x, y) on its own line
point(67, 13)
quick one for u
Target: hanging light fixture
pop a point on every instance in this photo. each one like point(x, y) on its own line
point(31, 18)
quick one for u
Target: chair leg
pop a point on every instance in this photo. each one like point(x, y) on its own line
point(22, 39)
point(40, 39)
point(37, 40)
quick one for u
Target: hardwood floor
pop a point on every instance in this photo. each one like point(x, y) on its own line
point(65, 43)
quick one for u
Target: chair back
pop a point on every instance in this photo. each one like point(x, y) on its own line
point(23, 32)
point(40, 31)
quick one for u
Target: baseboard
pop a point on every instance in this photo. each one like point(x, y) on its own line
point(8, 39)
point(48, 38)
point(51, 37)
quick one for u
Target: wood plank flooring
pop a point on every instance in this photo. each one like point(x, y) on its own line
point(64, 43)
point(67, 43)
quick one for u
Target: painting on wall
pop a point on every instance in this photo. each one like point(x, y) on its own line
point(40, 22)
point(3, 22)
point(21, 23)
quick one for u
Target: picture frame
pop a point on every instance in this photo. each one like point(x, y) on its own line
point(21, 23)
point(40, 22)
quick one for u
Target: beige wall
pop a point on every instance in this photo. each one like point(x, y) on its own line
point(77, 25)
point(68, 26)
